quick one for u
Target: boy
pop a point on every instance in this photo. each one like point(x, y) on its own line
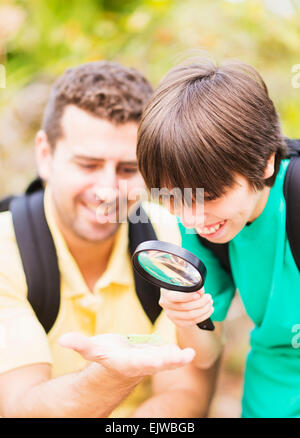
point(216, 128)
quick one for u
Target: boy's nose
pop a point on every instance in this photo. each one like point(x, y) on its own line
point(191, 217)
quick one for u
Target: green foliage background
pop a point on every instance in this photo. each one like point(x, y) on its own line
point(40, 39)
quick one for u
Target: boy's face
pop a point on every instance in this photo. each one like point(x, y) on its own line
point(223, 218)
point(90, 172)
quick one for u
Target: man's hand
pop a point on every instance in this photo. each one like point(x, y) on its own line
point(124, 358)
point(186, 309)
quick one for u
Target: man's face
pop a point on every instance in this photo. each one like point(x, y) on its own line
point(223, 218)
point(91, 172)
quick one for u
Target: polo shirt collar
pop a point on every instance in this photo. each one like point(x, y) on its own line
point(119, 267)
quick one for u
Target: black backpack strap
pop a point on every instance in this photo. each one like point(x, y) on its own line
point(38, 255)
point(35, 186)
point(292, 197)
point(148, 294)
point(220, 250)
point(5, 203)
point(293, 147)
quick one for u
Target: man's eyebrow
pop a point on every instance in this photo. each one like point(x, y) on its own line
point(99, 159)
point(87, 157)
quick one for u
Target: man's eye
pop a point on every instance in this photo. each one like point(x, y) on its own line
point(128, 170)
point(88, 166)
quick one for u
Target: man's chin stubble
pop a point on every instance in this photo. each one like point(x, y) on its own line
point(96, 240)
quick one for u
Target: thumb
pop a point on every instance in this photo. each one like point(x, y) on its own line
point(75, 341)
point(201, 292)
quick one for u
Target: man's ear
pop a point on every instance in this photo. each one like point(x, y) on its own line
point(269, 170)
point(43, 155)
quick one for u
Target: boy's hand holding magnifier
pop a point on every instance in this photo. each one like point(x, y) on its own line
point(186, 310)
point(180, 275)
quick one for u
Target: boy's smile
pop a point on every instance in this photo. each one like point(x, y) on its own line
point(224, 217)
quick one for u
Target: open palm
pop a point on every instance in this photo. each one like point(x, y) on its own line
point(117, 354)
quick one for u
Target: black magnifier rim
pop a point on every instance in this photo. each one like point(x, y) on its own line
point(159, 245)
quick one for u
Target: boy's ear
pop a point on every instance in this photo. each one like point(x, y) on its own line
point(43, 155)
point(269, 170)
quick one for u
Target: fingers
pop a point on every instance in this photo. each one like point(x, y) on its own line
point(93, 348)
point(192, 315)
point(124, 358)
point(75, 341)
point(181, 297)
point(160, 358)
point(186, 309)
point(191, 320)
point(186, 356)
point(175, 357)
point(195, 302)
point(86, 346)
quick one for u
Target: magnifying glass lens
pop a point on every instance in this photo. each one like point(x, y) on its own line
point(169, 268)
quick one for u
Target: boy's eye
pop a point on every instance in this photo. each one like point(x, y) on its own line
point(209, 198)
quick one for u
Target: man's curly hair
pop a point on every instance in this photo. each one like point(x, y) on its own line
point(105, 89)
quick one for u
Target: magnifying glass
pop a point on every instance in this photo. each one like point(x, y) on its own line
point(171, 267)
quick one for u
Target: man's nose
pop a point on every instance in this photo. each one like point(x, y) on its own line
point(105, 185)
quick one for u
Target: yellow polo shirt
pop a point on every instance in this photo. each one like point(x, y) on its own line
point(112, 307)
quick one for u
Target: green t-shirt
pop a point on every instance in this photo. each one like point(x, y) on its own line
point(267, 278)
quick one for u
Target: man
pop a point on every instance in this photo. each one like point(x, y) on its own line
point(216, 128)
point(86, 155)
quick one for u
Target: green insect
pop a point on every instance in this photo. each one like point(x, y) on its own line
point(145, 339)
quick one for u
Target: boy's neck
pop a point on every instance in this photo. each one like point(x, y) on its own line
point(260, 204)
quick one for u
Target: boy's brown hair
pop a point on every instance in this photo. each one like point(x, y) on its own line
point(105, 89)
point(205, 124)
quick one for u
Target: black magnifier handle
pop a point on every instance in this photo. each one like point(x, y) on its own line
point(206, 325)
